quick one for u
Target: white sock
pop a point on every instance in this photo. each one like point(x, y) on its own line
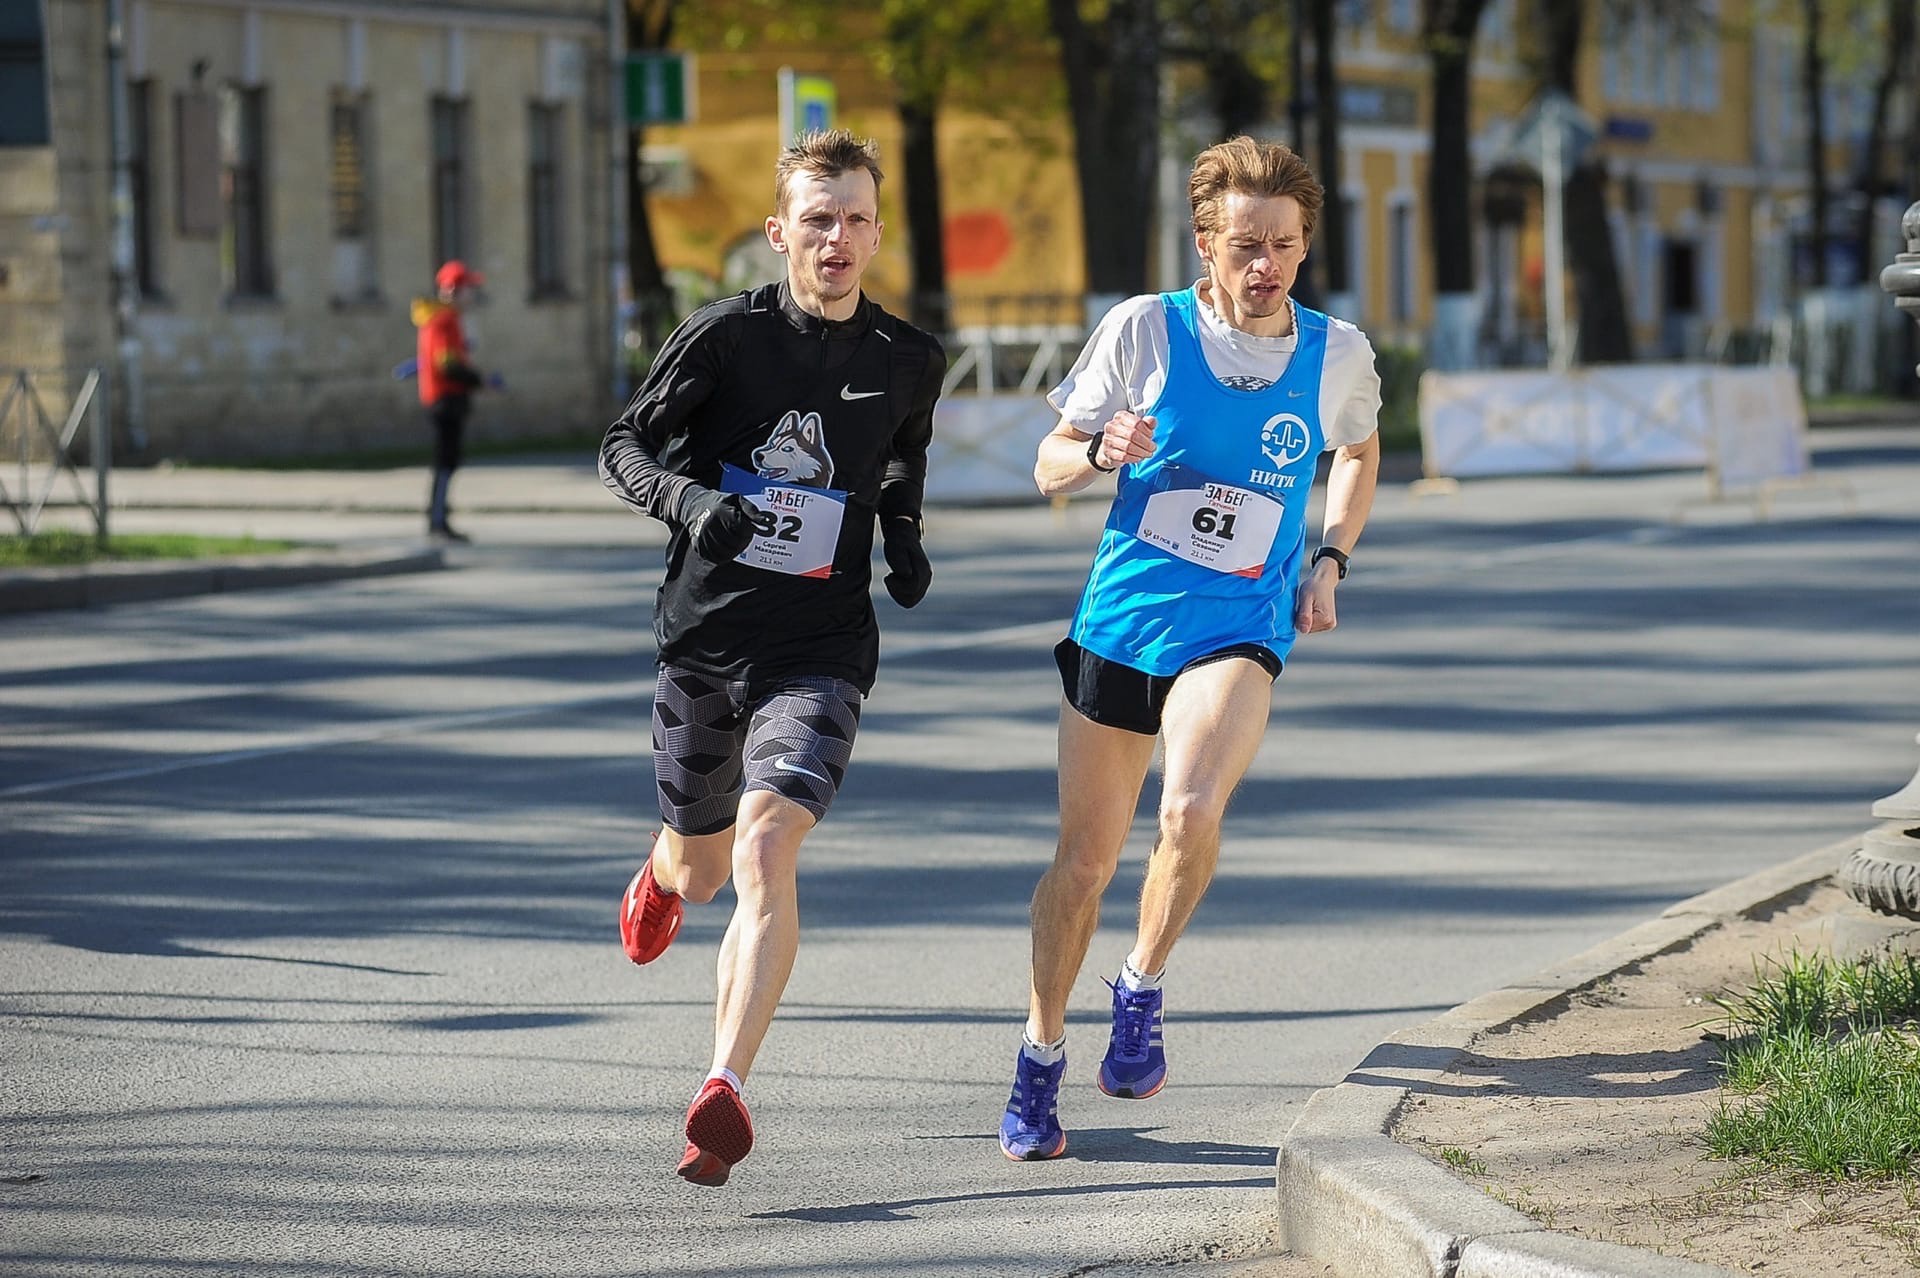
point(733, 1079)
point(1044, 1053)
point(1134, 979)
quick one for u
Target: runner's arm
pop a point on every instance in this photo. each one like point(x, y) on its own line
point(682, 378)
point(1066, 462)
point(903, 486)
point(1351, 480)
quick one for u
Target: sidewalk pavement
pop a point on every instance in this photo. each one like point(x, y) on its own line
point(1354, 1197)
point(1349, 1195)
point(352, 523)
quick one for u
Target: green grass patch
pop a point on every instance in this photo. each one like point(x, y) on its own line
point(65, 549)
point(1399, 369)
point(1890, 405)
point(1822, 1068)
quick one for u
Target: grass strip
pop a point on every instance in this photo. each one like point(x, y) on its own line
point(1822, 1061)
point(68, 549)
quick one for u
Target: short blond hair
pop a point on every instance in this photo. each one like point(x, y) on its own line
point(824, 153)
point(1251, 167)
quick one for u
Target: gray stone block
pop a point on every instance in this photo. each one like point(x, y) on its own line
point(1366, 1205)
point(1541, 1254)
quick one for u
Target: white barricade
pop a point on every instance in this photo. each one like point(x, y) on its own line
point(984, 447)
point(1745, 426)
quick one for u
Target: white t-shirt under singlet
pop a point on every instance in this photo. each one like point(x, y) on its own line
point(1124, 365)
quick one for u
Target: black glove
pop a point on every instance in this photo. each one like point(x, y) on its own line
point(720, 525)
point(911, 573)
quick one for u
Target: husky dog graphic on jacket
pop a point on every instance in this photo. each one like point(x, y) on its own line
point(796, 453)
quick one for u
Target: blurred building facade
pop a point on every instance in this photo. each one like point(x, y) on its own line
point(295, 172)
point(1702, 131)
point(296, 169)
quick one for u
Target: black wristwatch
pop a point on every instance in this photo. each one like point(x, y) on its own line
point(1093, 454)
point(1339, 558)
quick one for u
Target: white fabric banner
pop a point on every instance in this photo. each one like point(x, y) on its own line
point(1746, 425)
point(984, 447)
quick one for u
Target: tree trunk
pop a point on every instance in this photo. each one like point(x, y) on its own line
point(1331, 240)
point(926, 236)
point(1113, 92)
point(1900, 36)
point(1604, 335)
point(1450, 27)
point(1813, 86)
point(1238, 94)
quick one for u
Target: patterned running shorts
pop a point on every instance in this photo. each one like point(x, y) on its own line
point(710, 744)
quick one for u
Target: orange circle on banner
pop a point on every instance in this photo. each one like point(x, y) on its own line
point(977, 241)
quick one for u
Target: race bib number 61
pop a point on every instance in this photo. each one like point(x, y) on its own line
point(1214, 525)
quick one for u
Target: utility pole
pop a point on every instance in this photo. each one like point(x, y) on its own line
point(122, 271)
point(620, 144)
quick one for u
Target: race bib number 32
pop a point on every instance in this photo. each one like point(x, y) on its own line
point(796, 529)
point(1214, 525)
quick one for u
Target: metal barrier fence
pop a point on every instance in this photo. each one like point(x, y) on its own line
point(44, 449)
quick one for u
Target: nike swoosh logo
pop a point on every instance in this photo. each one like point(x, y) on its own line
point(783, 766)
point(848, 392)
point(1295, 394)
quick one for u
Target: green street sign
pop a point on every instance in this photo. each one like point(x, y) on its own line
point(660, 88)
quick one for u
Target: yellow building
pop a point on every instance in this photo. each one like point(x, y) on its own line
point(1702, 138)
point(1009, 192)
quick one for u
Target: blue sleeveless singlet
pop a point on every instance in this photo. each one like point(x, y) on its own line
point(1203, 543)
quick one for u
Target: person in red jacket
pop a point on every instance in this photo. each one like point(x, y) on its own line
point(447, 382)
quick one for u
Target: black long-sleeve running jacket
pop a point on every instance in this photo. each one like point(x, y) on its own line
point(754, 382)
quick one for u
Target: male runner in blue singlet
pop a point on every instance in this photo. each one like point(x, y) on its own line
point(1213, 404)
point(773, 431)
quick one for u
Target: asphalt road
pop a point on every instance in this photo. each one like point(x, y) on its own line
point(307, 951)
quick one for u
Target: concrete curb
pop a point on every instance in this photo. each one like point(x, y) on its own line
point(1354, 1198)
point(105, 584)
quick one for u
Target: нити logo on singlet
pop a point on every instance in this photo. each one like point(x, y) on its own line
point(1285, 440)
point(848, 392)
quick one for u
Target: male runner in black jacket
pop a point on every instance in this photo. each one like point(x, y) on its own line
point(773, 430)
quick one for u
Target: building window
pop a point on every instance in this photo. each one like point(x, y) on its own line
point(23, 77)
point(198, 212)
point(452, 237)
point(140, 182)
point(350, 199)
point(543, 195)
point(1355, 16)
point(244, 248)
point(1705, 77)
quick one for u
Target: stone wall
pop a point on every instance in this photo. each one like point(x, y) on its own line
point(306, 368)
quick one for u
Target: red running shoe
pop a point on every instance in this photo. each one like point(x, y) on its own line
point(649, 916)
point(719, 1134)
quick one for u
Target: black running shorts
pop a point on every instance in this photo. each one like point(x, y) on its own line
point(1117, 696)
point(711, 743)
